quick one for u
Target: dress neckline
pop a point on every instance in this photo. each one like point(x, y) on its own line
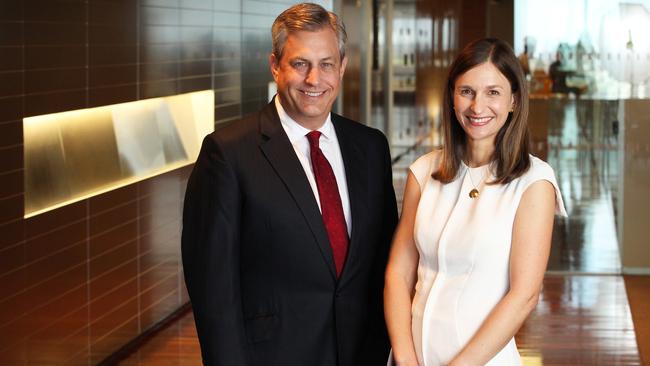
point(480, 167)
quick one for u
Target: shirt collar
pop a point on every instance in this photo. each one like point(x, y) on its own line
point(295, 131)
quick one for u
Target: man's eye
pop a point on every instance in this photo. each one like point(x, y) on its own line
point(299, 64)
point(327, 65)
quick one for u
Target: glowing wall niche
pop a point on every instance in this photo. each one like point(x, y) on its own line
point(74, 155)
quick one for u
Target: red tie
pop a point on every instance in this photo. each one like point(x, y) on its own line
point(330, 202)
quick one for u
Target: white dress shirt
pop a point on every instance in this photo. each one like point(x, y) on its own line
point(329, 145)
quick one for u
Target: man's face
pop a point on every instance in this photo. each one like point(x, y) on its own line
point(309, 75)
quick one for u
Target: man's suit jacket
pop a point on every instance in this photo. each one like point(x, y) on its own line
point(257, 260)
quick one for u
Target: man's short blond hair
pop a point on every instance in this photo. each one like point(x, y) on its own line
point(306, 17)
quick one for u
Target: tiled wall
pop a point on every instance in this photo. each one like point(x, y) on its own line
point(256, 20)
point(80, 281)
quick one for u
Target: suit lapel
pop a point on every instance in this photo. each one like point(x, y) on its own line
point(356, 173)
point(278, 151)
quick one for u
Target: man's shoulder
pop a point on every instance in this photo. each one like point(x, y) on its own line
point(238, 131)
point(357, 129)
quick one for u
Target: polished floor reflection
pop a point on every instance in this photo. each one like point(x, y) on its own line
point(582, 138)
point(580, 320)
point(175, 345)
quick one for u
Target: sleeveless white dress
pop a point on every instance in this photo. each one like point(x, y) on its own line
point(464, 246)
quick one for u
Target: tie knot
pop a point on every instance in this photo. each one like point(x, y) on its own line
point(313, 138)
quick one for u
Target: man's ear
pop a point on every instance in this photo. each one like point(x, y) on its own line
point(274, 64)
point(344, 63)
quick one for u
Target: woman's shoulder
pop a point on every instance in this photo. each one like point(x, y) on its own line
point(430, 157)
point(539, 169)
point(426, 164)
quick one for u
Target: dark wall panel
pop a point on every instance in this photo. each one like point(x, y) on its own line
point(81, 280)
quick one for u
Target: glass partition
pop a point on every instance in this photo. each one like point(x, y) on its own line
point(589, 74)
point(585, 47)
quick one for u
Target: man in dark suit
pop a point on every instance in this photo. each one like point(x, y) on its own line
point(288, 218)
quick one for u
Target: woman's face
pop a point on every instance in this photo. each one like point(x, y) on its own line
point(482, 101)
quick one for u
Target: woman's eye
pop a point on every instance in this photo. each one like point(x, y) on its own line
point(465, 92)
point(494, 92)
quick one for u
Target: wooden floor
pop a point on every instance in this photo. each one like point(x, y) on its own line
point(583, 316)
point(580, 320)
point(175, 345)
point(638, 294)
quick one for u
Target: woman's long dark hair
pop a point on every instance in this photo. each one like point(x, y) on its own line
point(512, 142)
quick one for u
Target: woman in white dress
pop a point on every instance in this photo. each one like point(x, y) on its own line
point(470, 251)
